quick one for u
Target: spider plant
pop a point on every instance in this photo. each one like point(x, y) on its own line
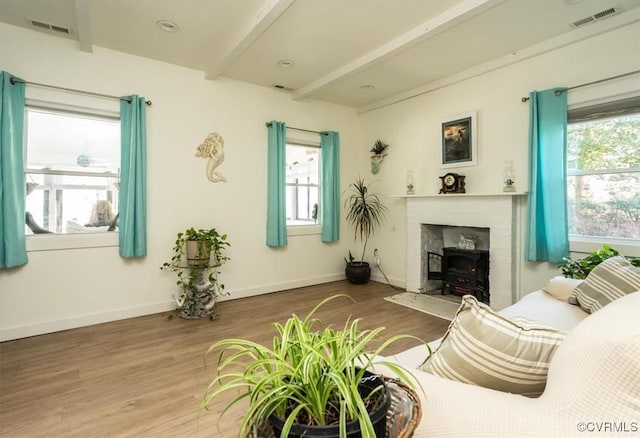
point(308, 372)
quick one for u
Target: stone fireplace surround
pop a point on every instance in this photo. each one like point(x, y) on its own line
point(500, 213)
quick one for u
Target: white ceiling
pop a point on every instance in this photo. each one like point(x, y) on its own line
point(400, 47)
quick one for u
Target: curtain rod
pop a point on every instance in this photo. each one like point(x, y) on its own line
point(299, 129)
point(558, 92)
point(72, 90)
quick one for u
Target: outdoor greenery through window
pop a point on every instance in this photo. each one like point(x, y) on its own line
point(302, 184)
point(72, 171)
point(603, 170)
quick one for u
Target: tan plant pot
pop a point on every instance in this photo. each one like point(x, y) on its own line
point(197, 253)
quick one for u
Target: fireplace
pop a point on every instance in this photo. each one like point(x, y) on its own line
point(466, 272)
point(498, 214)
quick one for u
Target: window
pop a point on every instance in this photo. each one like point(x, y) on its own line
point(302, 184)
point(603, 171)
point(72, 171)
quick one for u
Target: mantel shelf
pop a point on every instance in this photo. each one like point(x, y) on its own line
point(461, 195)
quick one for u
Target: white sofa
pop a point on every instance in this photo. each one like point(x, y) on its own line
point(593, 383)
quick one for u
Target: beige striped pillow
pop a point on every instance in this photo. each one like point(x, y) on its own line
point(486, 349)
point(610, 280)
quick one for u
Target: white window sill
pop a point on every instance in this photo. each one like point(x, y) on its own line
point(627, 247)
point(304, 230)
point(52, 242)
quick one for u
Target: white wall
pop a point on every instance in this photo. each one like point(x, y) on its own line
point(62, 289)
point(412, 130)
point(67, 288)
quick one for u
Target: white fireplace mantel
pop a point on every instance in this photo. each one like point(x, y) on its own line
point(461, 195)
point(499, 212)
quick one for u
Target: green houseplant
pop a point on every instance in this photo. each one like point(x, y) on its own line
point(365, 212)
point(580, 268)
point(197, 255)
point(379, 147)
point(309, 378)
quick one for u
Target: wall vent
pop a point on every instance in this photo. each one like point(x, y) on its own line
point(597, 16)
point(51, 27)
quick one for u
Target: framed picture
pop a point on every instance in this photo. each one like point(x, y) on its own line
point(459, 140)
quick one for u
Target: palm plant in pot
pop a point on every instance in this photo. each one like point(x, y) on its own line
point(365, 212)
point(310, 382)
point(197, 255)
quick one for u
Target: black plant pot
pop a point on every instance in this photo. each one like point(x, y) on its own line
point(378, 417)
point(358, 272)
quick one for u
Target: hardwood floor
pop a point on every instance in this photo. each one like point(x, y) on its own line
point(145, 377)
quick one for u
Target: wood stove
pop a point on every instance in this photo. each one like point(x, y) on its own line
point(466, 272)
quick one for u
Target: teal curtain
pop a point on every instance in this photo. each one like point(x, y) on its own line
point(547, 236)
point(276, 179)
point(13, 247)
point(133, 177)
point(330, 148)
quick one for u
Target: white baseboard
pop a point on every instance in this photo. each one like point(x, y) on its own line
point(276, 287)
point(26, 331)
point(377, 276)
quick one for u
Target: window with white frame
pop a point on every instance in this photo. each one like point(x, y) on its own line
point(302, 184)
point(72, 163)
point(603, 171)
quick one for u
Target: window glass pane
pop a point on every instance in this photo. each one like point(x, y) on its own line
point(59, 144)
point(604, 144)
point(606, 205)
point(302, 163)
point(603, 183)
point(302, 184)
point(72, 204)
point(66, 141)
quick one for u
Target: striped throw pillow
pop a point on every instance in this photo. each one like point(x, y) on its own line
point(486, 349)
point(610, 280)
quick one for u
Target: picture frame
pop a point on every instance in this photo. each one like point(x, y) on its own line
point(458, 139)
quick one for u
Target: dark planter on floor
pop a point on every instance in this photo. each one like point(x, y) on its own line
point(378, 416)
point(358, 272)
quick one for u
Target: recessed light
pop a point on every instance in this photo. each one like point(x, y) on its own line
point(285, 63)
point(167, 26)
point(367, 87)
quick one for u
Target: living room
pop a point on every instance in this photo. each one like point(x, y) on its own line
point(186, 107)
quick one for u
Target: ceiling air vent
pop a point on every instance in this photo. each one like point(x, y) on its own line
point(597, 16)
point(281, 87)
point(41, 25)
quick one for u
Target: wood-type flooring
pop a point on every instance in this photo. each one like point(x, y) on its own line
point(146, 376)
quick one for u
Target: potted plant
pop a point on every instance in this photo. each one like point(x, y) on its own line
point(379, 147)
point(582, 267)
point(197, 254)
point(365, 212)
point(311, 380)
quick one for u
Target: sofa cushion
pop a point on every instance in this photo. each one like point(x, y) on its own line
point(610, 280)
point(560, 287)
point(484, 348)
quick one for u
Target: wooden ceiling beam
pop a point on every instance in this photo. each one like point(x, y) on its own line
point(238, 43)
point(455, 15)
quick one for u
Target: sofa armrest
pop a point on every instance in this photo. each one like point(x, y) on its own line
point(453, 409)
